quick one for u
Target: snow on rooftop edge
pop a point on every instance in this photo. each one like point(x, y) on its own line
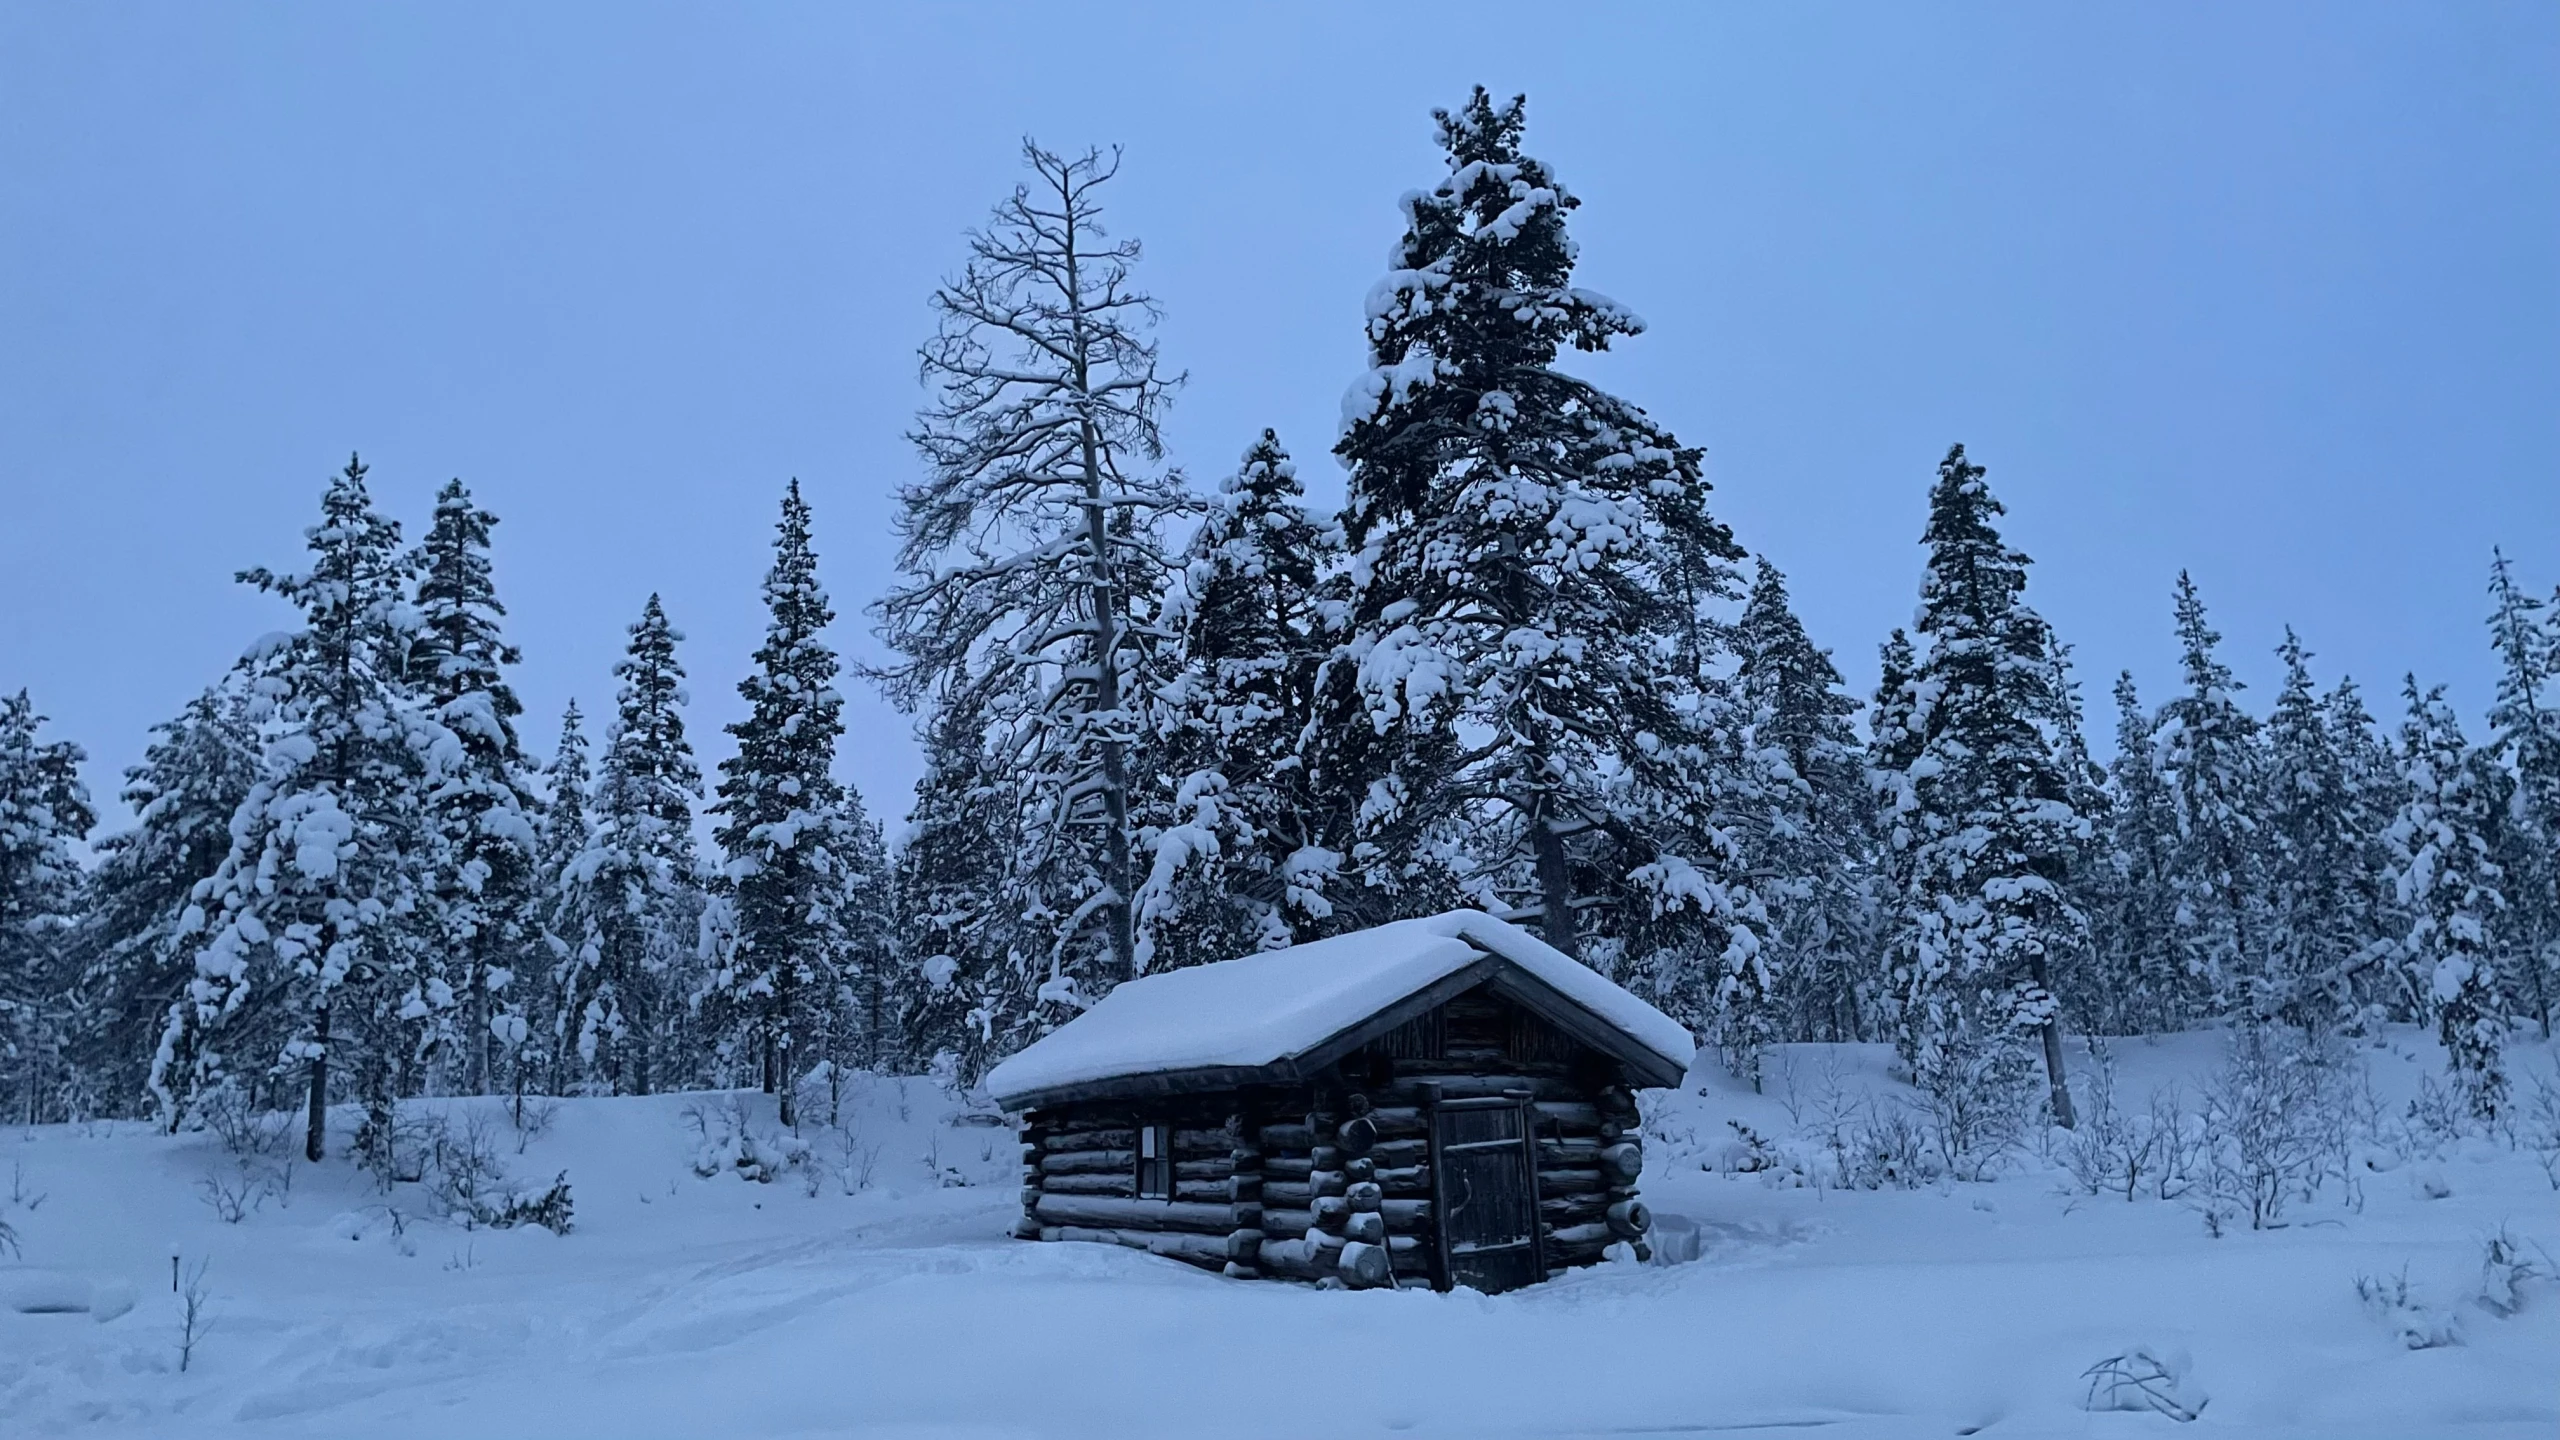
point(1260, 1009)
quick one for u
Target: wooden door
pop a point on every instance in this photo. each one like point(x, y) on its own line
point(1485, 1177)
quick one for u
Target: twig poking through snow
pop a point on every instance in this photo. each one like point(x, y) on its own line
point(2140, 1380)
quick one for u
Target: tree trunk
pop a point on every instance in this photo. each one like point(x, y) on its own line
point(2057, 1082)
point(476, 1015)
point(1106, 678)
point(1555, 884)
point(315, 1138)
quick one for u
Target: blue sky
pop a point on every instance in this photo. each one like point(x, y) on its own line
point(2270, 292)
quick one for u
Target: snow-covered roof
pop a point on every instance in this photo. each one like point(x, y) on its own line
point(1266, 1015)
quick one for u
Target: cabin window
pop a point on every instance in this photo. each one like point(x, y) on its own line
point(1155, 1162)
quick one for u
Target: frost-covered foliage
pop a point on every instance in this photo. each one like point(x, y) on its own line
point(626, 910)
point(132, 955)
point(1234, 863)
point(1980, 808)
point(1520, 705)
point(2524, 738)
point(1029, 560)
point(2448, 883)
point(44, 812)
point(2206, 752)
point(481, 811)
point(313, 953)
point(791, 931)
point(1808, 837)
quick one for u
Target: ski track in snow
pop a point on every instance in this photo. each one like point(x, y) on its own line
point(685, 1306)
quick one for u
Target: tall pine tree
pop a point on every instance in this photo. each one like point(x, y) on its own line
point(789, 833)
point(565, 910)
point(313, 957)
point(2144, 986)
point(2445, 841)
point(1234, 861)
point(2208, 762)
point(1809, 836)
point(629, 981)
point(951, 878)
point(1983, 810)
point(2524, 736)
point(480, 896)
point(1528, 555)
point(133, 955)
point(44, 812)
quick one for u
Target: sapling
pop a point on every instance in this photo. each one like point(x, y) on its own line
point(195, 1314)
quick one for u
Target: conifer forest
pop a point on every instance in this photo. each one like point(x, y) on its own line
point(1525, 669)
point(483, 975)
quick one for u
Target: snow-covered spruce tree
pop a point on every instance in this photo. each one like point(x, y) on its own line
point(566, 913)
point(2374, 793)
point(2318, 936)
point(2445, 840)
point(1021, 553)
point(2524, 736)
point(313, 954)
point(44, 812)
point(780, 942)
point(1528, 556)
point(481, 890)
point(952, 875)
point(631, 975)
point(2077, 976)
point(131, 955)
point(1983, 812)
point(2144, 988)
point(1233, 861)
point(1809, 841)
point(2208, 760)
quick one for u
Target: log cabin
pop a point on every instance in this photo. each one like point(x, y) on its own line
point(1445, 1101)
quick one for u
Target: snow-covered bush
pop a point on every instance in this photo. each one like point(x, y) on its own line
point(2415, 1323)
point(2507, 1265)
point(2537, 1124)
point(728, 1141)
point(2270, 1126)
point(2114, 1149)
point(1978, 1096)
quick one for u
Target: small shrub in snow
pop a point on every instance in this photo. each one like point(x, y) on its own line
point(2114, 1150)
point(2537, 1124)
point(2507, 1265)
point(395, 1146)
point(2142, 1380)
point(2268, 1128)
point(244, 1130)
point(2436, 1117)
point(729, 1142)
point(232, 1196)
point(2416, 1324)
point(1978, 1095)
point(9, 1241)
point(195, 1314)
point(532, 1117)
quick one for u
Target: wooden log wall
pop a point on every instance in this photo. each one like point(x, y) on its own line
point(1331, 1182)
point(1080, 1181)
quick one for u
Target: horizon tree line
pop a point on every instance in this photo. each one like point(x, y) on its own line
point(1522, 669)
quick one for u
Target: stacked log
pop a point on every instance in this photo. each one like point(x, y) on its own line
point(1244, 1189)
point(1080, 1182)
point(1574, 1194)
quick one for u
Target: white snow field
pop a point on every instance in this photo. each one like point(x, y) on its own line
point(685, 1305)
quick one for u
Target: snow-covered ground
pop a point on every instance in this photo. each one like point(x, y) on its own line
point(815, 1304)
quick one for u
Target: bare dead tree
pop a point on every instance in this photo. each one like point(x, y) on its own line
point(1038, 522)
